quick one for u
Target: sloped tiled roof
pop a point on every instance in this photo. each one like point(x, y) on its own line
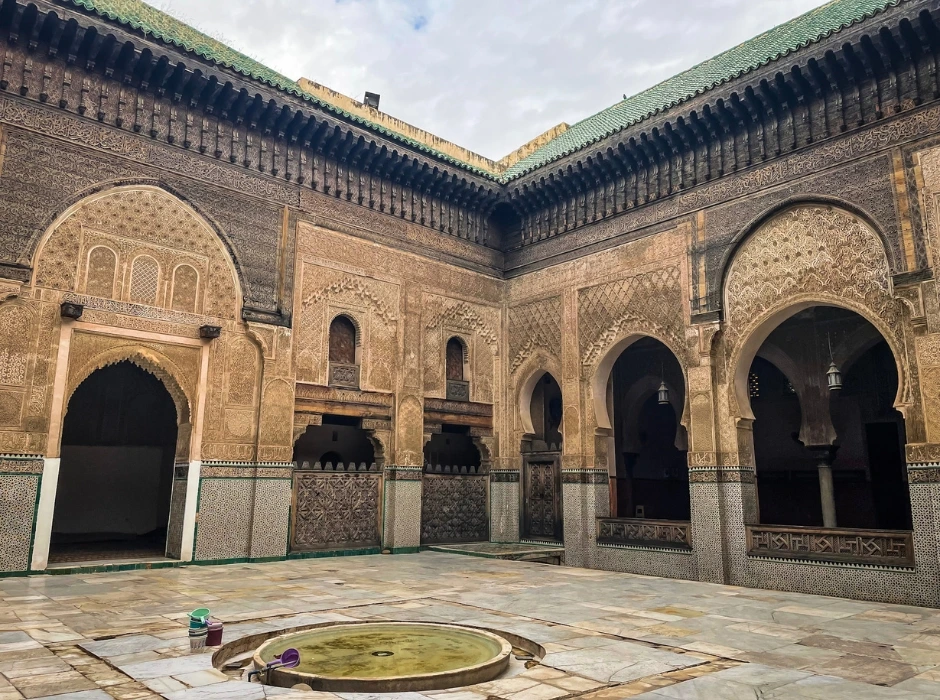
point(141, 17)
point(754, 53)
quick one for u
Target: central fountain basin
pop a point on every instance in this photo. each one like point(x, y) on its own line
point(387, 657)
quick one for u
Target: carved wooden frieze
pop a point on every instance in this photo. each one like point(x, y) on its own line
point(644, 533)
point(878, 547)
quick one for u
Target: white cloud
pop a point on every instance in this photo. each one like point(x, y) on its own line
point(486, 74)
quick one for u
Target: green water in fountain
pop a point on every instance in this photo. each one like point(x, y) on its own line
point(385, 651)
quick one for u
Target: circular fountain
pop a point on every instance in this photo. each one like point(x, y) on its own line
point(386, 657)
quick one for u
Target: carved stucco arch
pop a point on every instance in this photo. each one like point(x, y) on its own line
point(529, 374)
point(806, 254)
point(600, 372)
point(752, 226)
point(107, 189)
point(744, 353)
point(147, 359)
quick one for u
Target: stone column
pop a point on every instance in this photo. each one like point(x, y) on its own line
point(706, 484)
point(923, 478)
point(504, 505)
point(827, 497)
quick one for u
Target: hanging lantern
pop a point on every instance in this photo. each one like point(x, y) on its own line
point(663, 393)
point(834, 377)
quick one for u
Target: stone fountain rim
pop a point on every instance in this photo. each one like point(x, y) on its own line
point(467, 675)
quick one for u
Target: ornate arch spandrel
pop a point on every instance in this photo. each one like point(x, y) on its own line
point(807, 255)
point(136, 220)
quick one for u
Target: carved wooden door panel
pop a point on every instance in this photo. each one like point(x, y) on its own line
point(542, 499)
point(334, 510)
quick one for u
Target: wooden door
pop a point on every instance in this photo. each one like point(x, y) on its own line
point(541, 498)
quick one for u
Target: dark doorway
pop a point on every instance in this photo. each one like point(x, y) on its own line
point(795, 411)
point(116, 473)
point(647, 391)
point(541, 511)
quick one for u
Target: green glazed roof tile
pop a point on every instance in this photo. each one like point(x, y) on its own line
point(141, 17)
point(754, 53)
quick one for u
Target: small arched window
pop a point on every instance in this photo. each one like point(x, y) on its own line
point(458, 388)
point(343, 341)
point(454, 360)
point(99, 281)
point(185, 288)
point(145, 280)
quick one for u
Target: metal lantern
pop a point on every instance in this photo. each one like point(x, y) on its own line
point(663, 393)
point(834, 377)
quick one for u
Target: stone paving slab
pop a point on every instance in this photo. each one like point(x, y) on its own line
point(122, 635)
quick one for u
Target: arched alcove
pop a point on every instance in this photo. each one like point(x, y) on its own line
point(828, 441)
point(115, 479)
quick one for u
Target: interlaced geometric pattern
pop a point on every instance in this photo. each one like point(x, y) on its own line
point(453, 509)
point(649, 302)
point(145, 277)
point(533, 325)
point(335, 510)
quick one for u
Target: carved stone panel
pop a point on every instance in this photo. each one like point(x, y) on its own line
point(335, 510)
point(454, 509)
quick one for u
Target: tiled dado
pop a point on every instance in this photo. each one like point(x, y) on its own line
point(19, 495)
point(718, 475)
point(393, 473)
point(246, 470)
point(585, 476)
point(243, 510)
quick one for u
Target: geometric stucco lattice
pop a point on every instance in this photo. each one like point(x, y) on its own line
point(534, 325)
point(650, 302)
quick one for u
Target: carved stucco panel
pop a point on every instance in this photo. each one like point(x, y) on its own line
point(803, 254)
point(374, 306)
point(141, 235)
point(445, 317)
point(533, 326)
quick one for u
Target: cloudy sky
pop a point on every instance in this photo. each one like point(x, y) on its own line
point(486, 74)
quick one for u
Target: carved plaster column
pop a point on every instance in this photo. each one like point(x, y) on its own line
point(584, 460)
point(401, 531)
point(705, 486)
point(271, 492)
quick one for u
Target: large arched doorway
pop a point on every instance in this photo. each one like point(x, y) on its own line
point(828, 442)
point(646, 390)
point(541, 514)
point(116, 474)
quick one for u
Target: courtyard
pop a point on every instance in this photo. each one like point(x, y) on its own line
point(606, 636)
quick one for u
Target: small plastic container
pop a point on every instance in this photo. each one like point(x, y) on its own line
point(197, 637)
point(214, 636)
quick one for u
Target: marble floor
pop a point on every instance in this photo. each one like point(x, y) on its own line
point(123, 636)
